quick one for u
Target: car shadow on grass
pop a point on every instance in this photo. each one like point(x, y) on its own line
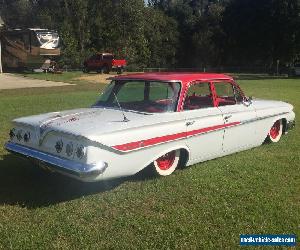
point(24, 184)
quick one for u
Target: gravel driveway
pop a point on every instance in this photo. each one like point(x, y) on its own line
point(10, 81)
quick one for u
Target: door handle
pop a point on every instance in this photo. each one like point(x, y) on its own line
point(190, 123)
point(227, 117)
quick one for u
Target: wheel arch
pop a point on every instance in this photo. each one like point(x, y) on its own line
point(284, 125)
point(184, 156)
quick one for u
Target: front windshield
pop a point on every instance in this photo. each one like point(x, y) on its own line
point(141, 96)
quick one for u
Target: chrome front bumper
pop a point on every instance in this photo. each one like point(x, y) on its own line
point(81, 171)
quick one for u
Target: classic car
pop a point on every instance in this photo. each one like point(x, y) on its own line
point(157, 121)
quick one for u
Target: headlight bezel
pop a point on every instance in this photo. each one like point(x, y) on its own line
point(70, 149)
point(80, 151)
point(59, 145)
point(19, 135)
point(27, 136)
point(12, 133)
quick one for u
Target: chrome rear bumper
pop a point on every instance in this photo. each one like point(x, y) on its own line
point(81, 171)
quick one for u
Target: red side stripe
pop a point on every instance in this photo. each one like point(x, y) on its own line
point(167, 138)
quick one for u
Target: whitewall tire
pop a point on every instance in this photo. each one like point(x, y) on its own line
point(275, 132)
point(167, 163)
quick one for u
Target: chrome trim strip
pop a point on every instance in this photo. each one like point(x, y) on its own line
point(202, 133)
point(262, 118)
point(55, 163)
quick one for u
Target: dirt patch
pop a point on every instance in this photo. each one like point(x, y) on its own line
point(98, 78)
point(10, 81)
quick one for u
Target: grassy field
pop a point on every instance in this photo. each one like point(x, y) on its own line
point(207, 205)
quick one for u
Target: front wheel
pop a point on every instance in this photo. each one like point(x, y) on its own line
point(85, 70)
point(166, 164)
point(275, 132)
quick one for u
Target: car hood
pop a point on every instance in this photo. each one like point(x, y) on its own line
point(266, 104)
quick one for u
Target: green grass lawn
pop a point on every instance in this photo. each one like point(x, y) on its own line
point(207, 205)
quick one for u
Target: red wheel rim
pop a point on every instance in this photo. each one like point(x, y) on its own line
point(166, 161)
point(275, 130)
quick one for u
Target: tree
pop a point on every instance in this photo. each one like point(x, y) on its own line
point(17, 13)
point(162, 37)
point(261, 32)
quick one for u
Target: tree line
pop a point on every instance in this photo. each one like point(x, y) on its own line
point(168, 33)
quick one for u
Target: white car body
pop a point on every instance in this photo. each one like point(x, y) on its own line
point(117, 143)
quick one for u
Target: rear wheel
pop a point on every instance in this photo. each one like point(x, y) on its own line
point(106, 69)
point(166, 164)
point(119, 70)
point(85, 70)
point(275, 132)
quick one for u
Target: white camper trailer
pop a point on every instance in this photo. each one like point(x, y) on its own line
point(28, 48)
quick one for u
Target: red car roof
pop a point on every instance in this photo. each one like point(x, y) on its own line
point(173, 76)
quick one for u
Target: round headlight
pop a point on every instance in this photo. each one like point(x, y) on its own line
point(19, 135)
point(69, 149)
point(27, 137)
point(59, 146)
point(80, 151)
point(12, 133)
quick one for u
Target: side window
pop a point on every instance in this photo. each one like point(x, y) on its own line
point(163, 95)
point(198, 97)
point(226, 94)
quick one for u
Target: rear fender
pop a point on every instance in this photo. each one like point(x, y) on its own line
point(167, 150)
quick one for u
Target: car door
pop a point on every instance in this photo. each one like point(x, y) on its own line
point(204, 123)
point(238, 118)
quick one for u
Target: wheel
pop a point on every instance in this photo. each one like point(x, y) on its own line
point(166, 164)
point(119, 70)
point(85, 70)
point(106, 69)
point(275, 132)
